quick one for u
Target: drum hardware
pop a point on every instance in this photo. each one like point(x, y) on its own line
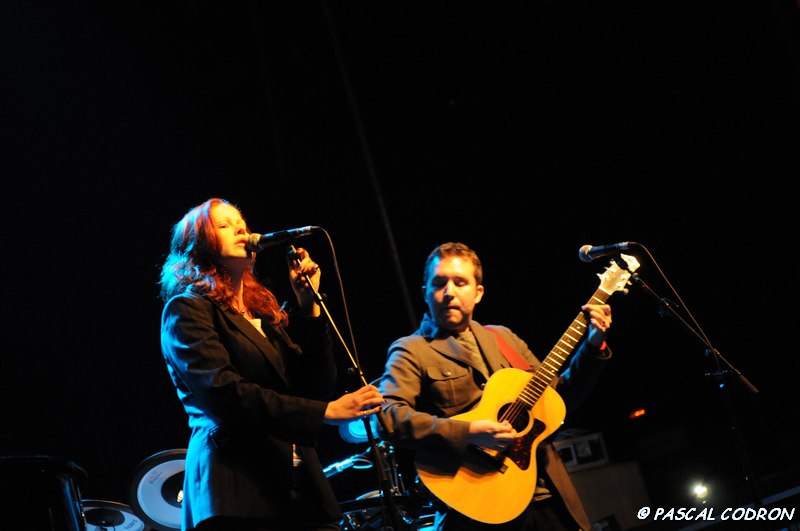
point(392, 468)
point(41, 492)
point(156, 491)
point(366, 512)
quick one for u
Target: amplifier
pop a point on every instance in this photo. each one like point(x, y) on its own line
point(583, 451)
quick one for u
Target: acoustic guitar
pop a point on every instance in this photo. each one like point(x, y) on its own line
point(495, 487)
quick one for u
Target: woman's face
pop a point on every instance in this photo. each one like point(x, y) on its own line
point(231, 231)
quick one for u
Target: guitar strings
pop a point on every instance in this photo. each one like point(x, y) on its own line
point(545, 373)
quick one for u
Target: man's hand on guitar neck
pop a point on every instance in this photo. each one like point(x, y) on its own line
point(599, 316)
point(490, 434)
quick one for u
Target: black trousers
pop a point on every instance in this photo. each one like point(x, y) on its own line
point(301, 514)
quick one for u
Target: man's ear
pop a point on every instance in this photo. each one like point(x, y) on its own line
point(478, 293)
point(422, 291)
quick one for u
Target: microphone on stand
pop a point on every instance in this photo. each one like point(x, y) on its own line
point(258, 242)
point(356, 461)
point(587, 253)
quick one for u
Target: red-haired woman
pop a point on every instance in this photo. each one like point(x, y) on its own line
point(255, 381)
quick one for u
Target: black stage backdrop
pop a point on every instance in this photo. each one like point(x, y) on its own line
point(525, 129)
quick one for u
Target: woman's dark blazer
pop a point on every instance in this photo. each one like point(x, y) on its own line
point(248, 399)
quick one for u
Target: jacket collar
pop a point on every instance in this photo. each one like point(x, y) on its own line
point(444, 342)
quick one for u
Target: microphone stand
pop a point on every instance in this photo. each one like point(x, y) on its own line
point(388, 502)
point(723, 369)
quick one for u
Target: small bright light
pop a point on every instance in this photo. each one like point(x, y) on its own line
point(700, 491)
point(637, 413)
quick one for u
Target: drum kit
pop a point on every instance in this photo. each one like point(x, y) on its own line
point(43, 493)
point(156, 493)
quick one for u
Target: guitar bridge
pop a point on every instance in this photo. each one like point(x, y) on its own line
point(494, 460)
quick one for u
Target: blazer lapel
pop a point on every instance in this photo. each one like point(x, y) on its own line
point(263, 343)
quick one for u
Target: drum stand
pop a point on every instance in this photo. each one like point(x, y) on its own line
point(388, 505)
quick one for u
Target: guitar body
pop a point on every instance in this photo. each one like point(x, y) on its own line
point(494, 487)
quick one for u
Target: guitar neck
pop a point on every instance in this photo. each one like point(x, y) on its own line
point(547, 372)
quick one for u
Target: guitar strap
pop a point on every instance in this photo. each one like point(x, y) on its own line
point(513, 357)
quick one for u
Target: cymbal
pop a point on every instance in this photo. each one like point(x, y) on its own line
point(100, 515)
point(104, 517)
point(361, 503)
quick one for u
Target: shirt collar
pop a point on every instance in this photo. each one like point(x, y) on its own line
point(430, 330)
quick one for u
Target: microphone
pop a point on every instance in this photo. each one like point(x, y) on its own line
point(257, 242)
point(356, 461)
point(587, 253)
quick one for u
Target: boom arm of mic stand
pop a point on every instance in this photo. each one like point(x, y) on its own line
point(667, 307)
point(383, 478)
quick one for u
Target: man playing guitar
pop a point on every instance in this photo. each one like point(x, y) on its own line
point(437, 385)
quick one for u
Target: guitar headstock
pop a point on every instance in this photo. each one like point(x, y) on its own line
point(615, 278)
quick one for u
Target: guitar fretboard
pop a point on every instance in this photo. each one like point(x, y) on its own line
point(547, 372)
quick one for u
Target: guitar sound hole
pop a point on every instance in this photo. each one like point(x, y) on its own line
point(519, 417)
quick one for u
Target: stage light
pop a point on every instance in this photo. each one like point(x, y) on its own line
point(700, 491)
point(637, 413)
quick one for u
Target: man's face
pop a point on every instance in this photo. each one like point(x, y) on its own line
point(452, 292)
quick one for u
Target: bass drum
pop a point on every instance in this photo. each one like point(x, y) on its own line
point(156, 490)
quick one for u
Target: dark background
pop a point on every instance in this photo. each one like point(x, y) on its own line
point(525, 129)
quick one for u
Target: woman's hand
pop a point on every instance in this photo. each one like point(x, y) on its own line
point(360, 403)
point(302, 269)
